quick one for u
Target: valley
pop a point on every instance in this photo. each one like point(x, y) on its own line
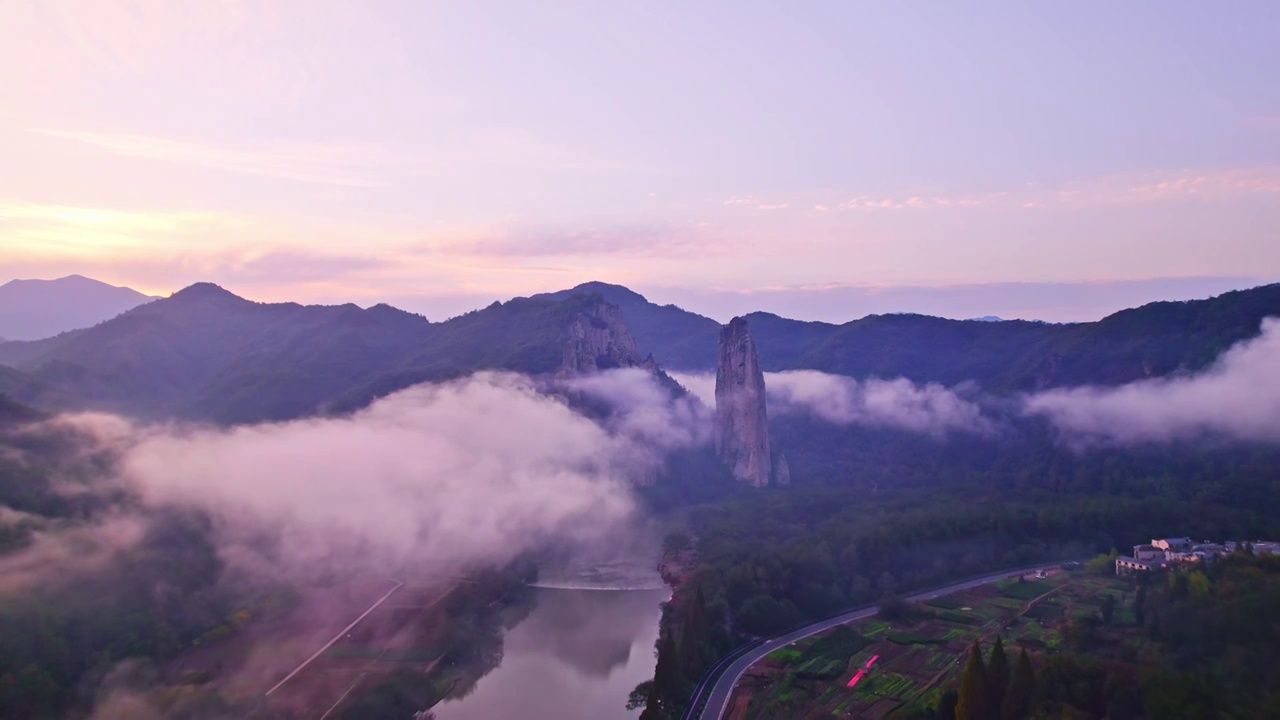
point(406, 360)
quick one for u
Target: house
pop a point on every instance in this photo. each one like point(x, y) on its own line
point(1166, 552)
point(1266, 548)
point(1148, 552)
point(1181, 544)
point(1213, 549)
point(1130, 565)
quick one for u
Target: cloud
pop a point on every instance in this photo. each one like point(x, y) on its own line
point(343, 164)
point(1123, 188)
point(700, 385)
point(650, 239)
point(443, 475)
point(77, 232)
point(293, 266)
point(914, 202)
point(645, 412)
point(898, 404)
point(1236, 398)
point(753, 203)
point(72, 549)
point(1241, 181)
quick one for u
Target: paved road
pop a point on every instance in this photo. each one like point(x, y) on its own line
point(718, 701)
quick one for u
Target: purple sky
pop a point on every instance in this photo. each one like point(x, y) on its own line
point(816, 159)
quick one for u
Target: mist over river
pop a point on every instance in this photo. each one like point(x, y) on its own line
point(576, 657)
point(585, 646)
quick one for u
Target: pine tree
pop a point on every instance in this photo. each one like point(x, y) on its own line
point(668, 682)
point(1022, 686)
point(1140, 605)
point(973, 703)
point(697, 636)
point(997, 678)
point(947, 705)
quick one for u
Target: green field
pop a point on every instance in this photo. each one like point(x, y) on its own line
point(920, 656)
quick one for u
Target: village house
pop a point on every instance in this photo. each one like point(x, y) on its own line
point(1163, 553)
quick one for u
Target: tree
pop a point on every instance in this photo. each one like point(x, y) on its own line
point(668, 682)
point(1198, 585)
point(973, 704)
point(1103, 564)
point(640, 696)
point(1108, 608)
point(1140, 605)
point(697, 636)
point(892, 608)
point(947, 705)
point(652, 706)
point(1017, 698)
point(997, 677)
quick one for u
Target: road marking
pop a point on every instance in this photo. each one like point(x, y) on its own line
point(336, 638)
point(343, 697)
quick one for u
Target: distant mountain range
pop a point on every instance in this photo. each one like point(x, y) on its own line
point(206, 353)
point(34, 309)
point(1155, 339)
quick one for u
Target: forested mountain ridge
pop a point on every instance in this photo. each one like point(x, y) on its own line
point(1152, 340)
point(205, 353)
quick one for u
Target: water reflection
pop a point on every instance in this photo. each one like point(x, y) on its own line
point(575, 657)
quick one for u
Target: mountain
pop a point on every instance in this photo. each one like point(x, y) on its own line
point(681, 340)
point(1155, 339)
point(205, 353)
point(32, 309)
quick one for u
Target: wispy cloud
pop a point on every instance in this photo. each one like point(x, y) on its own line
point(1192, 183)
point(352, 165)
point(754, 203)
point(1122, 188)
point(51, 229)
point(915, 202)
point(346, 163)
point(620, 239)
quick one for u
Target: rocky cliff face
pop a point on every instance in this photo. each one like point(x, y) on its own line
point(742, 428)
point(598, 339)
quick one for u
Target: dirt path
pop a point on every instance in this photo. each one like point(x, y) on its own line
point(945, 671)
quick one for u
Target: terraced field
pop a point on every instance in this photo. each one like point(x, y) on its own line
point(920, 656)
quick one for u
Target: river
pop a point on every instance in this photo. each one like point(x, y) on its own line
point(576, 656)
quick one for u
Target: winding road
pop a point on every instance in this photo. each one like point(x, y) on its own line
point(717, 686)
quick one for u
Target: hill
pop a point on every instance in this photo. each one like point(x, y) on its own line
point(205, 353)
point(32, 309)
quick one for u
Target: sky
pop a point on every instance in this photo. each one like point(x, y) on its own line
point(818, 159)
